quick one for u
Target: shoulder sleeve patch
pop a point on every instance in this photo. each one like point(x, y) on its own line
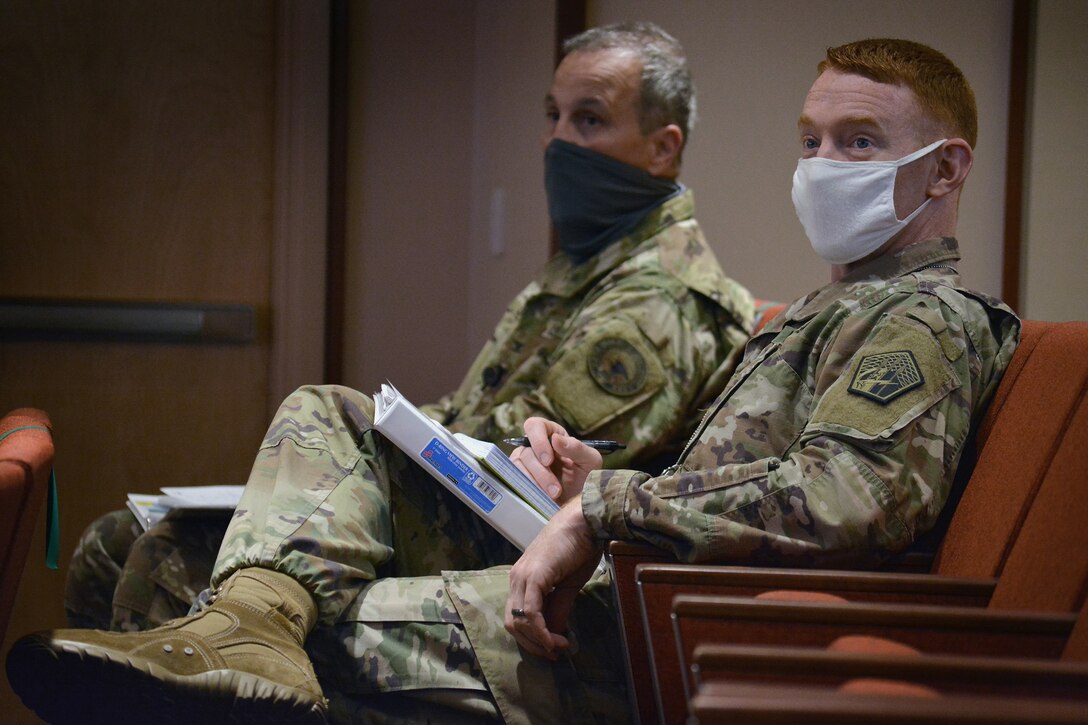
point(602, 373)
point(897, 374)
point(617, 366)
point(886, 375)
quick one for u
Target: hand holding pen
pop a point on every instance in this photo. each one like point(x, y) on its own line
point(557, 463)
point(601, 445)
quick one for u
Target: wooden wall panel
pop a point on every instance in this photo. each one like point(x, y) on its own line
point(136, 159)
point(135, 153)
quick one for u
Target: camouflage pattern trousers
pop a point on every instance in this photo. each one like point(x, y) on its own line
point(394, 563)
point(125, 579)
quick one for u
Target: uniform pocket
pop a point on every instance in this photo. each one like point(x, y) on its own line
point(398, 634)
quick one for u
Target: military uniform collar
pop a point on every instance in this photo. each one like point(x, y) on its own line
point(906, 260)
point(939, 252)
point(565, 279)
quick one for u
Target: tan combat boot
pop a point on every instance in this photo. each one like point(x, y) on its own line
point(238, 661)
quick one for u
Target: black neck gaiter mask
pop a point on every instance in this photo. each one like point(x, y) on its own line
point(594, 200)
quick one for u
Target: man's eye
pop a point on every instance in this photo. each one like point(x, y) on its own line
point(808, 143)
point(552, 116)
point(863, 143)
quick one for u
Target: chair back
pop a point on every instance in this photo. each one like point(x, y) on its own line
point(1025, 502)
point(26, 459)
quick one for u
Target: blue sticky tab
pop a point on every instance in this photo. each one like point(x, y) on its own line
point(457, 472)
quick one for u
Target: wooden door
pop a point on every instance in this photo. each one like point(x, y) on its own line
point(136, 164)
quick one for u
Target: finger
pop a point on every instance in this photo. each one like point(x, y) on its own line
point(533, 633)
point(536, 430)
point(527, 640)
point(516, 457)
point(533, 623)
point(543, 476)
point(529, 628)
point(578, 452)
point(513, 601)
point(539, 431)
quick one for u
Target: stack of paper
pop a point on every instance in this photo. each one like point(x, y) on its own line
point(151, 508)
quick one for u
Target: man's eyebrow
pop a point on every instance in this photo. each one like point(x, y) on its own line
point(860, 121)
point(855, 121)
point(591, 103)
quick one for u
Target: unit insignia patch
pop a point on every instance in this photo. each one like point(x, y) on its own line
point(617, 366)
point(885, 376)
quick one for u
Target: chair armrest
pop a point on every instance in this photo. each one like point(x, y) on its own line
point(657, 584)
point(946, 673)
point(623, 558)
point(964, 630)
point(747, 703)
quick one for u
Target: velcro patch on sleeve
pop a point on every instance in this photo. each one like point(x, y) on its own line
point(604, 373)
point(932, 319)
point(898, 373)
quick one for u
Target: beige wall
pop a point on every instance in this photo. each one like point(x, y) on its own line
point(508, 240)
point(1055, 240)
point(446, 209)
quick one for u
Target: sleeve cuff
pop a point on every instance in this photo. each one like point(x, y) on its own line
point(605, 501)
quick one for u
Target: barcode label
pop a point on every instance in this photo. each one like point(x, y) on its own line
point(488, 490)
point(451, 468)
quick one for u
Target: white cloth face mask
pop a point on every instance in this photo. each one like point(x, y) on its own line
point(848, 207)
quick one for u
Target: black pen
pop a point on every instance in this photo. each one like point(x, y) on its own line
point(605, 446)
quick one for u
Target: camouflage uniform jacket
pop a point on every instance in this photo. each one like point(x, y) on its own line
point(836, 441)
point(652, 319)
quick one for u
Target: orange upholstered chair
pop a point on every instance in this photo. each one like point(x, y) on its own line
point(26, 460)
point(766, 310)
point(1042, 571)
point(1025, 501)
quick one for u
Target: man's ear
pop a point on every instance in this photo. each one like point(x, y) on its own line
point(666, 143)
point(954, 160)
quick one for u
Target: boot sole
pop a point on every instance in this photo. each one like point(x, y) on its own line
point(64, 684)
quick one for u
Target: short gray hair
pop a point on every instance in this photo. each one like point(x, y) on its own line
point(667, 94)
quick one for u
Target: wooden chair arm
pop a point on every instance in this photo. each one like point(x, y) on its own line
point(718, 702)
point(741, 620)
point(656, 584)
point(867, 586)
point(964, 630)
point(946, 673)
point(623, 557)
point(644, 607)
